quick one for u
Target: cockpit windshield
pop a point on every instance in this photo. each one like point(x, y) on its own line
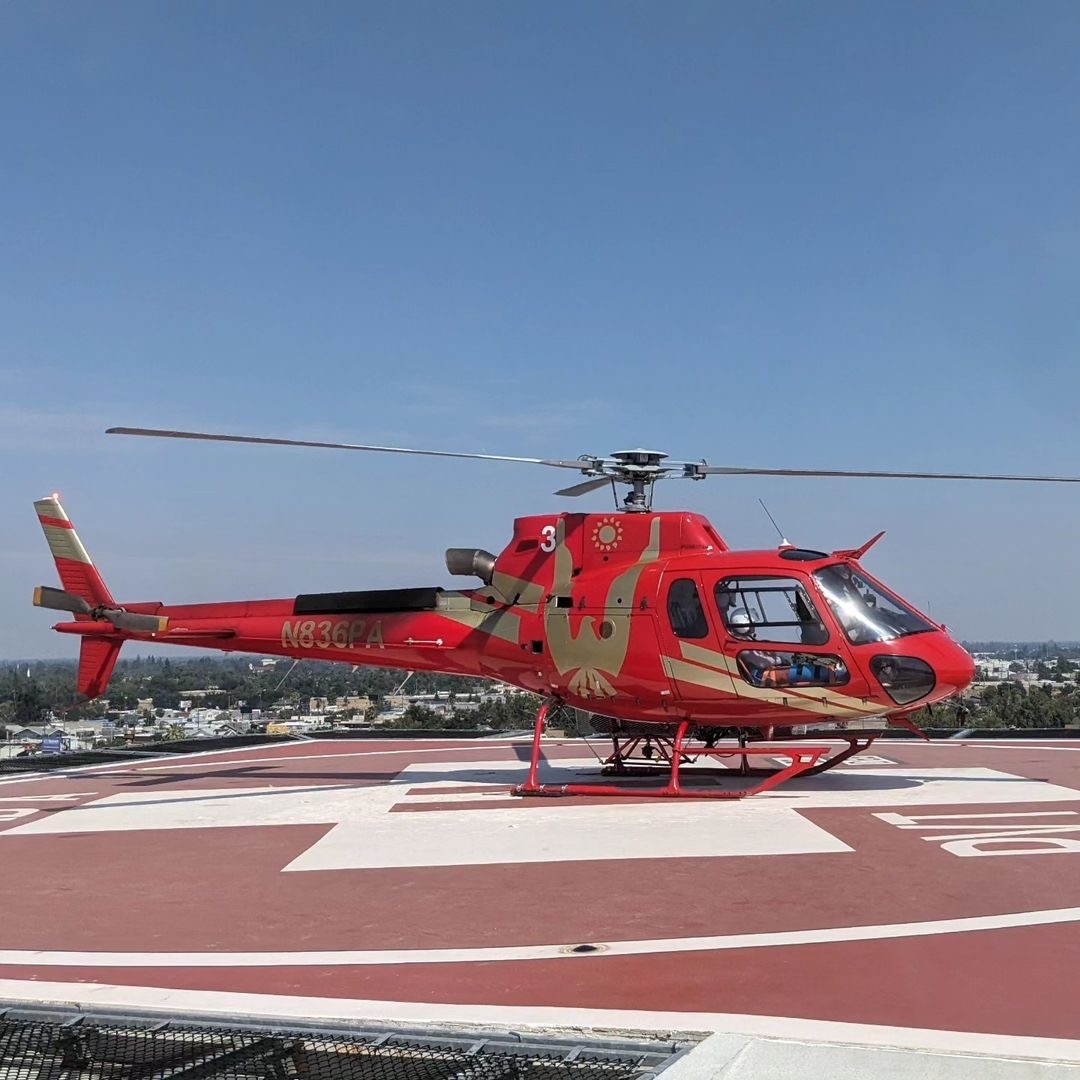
point(864, 610)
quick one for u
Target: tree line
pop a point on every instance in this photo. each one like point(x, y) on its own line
point(29, 697)
point(30, 691)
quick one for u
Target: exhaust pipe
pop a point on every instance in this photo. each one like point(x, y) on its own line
point(466, 561)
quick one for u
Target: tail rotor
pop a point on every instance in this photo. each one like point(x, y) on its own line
point(137, 623)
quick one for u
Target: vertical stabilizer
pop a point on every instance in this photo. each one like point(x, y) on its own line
point(97, 658)
point(77, 573)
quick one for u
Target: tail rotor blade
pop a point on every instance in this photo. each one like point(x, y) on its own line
point(133, 621)
point(58, 600)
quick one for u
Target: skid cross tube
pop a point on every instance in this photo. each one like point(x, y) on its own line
point(623, 761)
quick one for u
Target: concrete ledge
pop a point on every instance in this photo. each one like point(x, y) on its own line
point(746, 1057)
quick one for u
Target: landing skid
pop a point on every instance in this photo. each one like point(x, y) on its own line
point(660, 754)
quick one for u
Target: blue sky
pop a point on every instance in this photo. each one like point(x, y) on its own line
point(836, 235)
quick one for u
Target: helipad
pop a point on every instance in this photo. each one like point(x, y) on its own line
point(925, 896)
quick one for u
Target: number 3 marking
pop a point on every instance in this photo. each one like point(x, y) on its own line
point(548, 533)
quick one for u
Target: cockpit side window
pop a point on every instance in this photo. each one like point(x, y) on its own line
point(775, 609)
point(685, 612)
point(863, 608)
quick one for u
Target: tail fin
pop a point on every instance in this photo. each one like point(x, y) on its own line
point(79, 576)
point(97, 658)
point(77, 573)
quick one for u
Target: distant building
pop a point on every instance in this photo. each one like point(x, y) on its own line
point(30, 733)
point(354, 703)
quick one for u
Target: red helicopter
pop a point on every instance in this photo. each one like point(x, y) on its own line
point(675, 643)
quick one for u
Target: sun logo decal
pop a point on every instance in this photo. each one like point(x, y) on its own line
point(607, 535)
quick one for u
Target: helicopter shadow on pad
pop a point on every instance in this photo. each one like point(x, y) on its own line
point(860, 781)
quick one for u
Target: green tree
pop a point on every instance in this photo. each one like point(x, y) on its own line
point(420, 716)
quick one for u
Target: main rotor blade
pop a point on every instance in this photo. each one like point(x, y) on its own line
point(263, 441)
point(584, 488)
point(725, 470)
point(58, 600)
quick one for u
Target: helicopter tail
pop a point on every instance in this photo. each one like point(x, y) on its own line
point(86, 597)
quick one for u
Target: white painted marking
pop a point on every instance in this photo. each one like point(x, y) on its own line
point(229, 1004)
point(568, 833)
point(867, 760)
point(916, 822)
point(574, 831)
point(217, 808)
point(994, 744)
point(456, 748)
point(48, 798)
point(197, 755)
point(1018, 834)
point(518, 953)
point(79, 771)
point(367, 836)
point(858, 759)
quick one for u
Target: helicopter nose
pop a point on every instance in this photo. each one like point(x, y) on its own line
point(929, 669)
point(953, 667)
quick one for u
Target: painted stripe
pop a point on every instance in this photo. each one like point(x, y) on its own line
point(392, 957)
point(698, 654)
point(64, 543)
point(59, 523)
point(198, 758)
point(805, 699)
point(221, 1003)
point(348, 753)
point(718, 661)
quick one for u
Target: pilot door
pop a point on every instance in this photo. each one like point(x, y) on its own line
point(781, 652)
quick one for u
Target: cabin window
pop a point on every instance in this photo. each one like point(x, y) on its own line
point(769, 609)
point(783, 668)
point(685, 611)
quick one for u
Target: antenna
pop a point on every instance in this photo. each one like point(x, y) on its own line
point(783, 538)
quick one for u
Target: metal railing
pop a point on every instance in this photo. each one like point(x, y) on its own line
point(42, 1043)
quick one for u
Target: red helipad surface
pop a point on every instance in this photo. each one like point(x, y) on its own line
point(922, 887)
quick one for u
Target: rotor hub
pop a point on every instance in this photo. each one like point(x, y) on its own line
point(639, 469)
